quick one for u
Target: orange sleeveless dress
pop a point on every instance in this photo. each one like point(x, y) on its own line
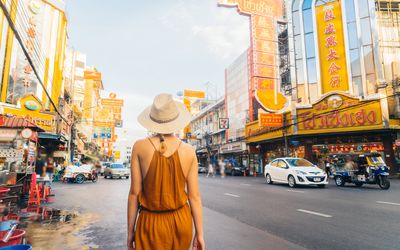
point(165, 219)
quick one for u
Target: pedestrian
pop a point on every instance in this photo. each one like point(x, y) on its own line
point(49, 169)
point(210, 170)
point(328, 166)
point(39, 166)
point(221, 167)
point(162, 167)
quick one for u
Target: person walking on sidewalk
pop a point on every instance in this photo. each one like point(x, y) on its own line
point(163, 167)
point(50, 169)
point(210, 170)
point(221, 167)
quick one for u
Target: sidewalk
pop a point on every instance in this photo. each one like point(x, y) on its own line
point(223, 232)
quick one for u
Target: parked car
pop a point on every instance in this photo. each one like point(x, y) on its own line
point(103, 167)
point(116, 170)
point(236, 170)
point(202, 169)
point(295, 171)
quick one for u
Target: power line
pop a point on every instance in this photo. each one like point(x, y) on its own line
point(18, 37)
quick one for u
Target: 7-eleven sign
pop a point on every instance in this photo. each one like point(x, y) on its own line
point(223, 123)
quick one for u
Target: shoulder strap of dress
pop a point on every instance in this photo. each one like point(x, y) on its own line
point(154, 146)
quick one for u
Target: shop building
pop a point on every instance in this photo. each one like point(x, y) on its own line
point(344, 63)
point(206, 136)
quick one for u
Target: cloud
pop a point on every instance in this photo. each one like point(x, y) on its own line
point(224, 31)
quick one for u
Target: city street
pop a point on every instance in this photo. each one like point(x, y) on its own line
point(244, 213)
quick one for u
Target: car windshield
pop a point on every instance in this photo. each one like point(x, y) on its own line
point(298, 162)
point(117, 166)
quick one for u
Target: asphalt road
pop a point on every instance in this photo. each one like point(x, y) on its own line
point(246, 213)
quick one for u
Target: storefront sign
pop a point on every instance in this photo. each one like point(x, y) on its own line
point(337, 112)
point(26, 133)
point(194, 94)
point(270, 120)
point(233, 147)
point(45, 120)
point(331, 47)
point(8, 134)
point(263, 74)
point(223, 123)
point(256, 133)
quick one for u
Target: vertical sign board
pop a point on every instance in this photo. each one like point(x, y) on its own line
point(331, 48)
point(263, 53)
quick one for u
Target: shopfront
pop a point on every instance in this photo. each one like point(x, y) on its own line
point(335, 124)
point(235, 153)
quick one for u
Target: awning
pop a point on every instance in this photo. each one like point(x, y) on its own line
point(56, 137)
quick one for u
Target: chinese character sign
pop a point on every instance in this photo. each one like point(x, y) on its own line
point(264, 66)
point(331, 48)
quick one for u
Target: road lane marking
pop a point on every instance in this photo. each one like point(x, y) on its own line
point(314, 213)
point(233, 195)
point(245, 184)
point(295, 191)
point(388, 203)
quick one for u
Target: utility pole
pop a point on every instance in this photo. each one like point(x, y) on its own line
point(284, 131)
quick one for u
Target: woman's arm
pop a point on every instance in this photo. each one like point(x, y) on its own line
point(195, 203)
point(136, 187)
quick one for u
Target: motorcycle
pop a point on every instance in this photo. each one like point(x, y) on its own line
point(371, 170)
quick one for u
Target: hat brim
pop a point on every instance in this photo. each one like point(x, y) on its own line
point(179, 123)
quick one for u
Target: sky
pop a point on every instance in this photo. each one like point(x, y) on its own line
point(144, 48)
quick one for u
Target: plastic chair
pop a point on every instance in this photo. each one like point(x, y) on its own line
point(34, 195)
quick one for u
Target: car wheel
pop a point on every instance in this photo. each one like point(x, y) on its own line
point(291, 181)
point(339, 180)
point(268, 179)
point(120, 177)
point(127, 177)
point(111, 177)
point(80, 178)
point(321, 185)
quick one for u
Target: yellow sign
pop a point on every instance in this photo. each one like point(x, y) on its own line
point(270, 120)
point(31, 110)
point(332, 48)
point(112, 102)
point(194, 94)
point(263, 14)
point(338, 113)
point(255, 133)
point(117, 155)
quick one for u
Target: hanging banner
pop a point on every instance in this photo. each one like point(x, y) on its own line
point(263, 51)
point(331, 48)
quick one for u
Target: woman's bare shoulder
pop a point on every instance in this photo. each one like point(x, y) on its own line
point(188, 149)
point(140, 143)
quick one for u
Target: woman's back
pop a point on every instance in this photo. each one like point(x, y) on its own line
point(164, 182)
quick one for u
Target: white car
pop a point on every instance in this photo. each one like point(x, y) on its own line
point(295, 171)
point(116, 170)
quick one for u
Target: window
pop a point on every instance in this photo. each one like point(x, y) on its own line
point(357, 85)
point(299, 71)
point(350, 11)
point(365, 31)
point(296, 23)
point(282, 164)
point(355, 62)
point(308, 21)
point(311, 70)
point(352, 32)
point(299, 162)
point(364, 6)
point(297, 47)
point(369, 60)
point(275, 163)
point(310, 46)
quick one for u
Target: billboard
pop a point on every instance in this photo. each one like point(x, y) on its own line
point(332, 50)
point(263, 52)
point(194, 94)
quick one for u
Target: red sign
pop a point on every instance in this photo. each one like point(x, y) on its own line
point(270, 120)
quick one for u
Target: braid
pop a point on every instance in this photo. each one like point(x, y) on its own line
point(163, 147)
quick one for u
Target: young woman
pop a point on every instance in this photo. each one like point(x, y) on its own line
point(163, 168)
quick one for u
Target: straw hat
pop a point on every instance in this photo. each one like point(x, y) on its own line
point(165, 116)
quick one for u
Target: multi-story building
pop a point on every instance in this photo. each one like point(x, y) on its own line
point(344, 61)
point(206, 135)
point(31, 67)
